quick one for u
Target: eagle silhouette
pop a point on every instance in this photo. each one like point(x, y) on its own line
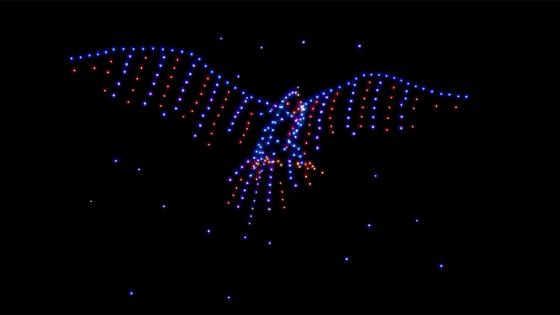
point(182, 86)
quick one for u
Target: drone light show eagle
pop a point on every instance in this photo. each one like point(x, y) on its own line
point(288, 132)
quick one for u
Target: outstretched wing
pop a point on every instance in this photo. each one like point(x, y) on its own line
point(179, 84)
point(377, 102)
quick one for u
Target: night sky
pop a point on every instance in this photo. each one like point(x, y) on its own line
point(118, 210)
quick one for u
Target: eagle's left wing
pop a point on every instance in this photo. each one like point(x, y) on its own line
point(179, 84)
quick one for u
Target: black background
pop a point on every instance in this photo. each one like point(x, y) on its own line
point(483, 181)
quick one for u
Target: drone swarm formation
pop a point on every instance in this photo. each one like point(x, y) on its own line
point(182, 86)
